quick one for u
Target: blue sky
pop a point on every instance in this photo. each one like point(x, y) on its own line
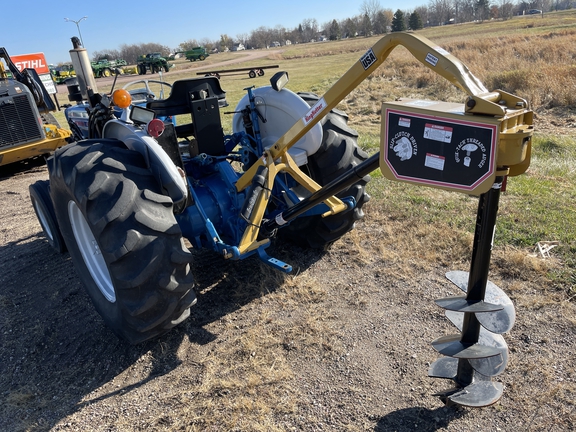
point(113, 23)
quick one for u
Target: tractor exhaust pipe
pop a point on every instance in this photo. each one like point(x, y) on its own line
point(83, 68)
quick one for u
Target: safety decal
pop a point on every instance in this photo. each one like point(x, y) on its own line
point(368, 59)
point(314, 111)
point(432, 59)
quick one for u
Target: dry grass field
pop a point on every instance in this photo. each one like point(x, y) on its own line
point(342, 343)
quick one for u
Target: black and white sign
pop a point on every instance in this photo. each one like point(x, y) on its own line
point(440, 152)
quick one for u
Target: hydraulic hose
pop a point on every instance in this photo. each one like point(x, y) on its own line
point(338, 184)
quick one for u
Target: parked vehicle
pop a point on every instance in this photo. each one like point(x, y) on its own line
point(63, 72)
point(106, 68)
point(27, 126)
point(153, 63)
point(196, 53)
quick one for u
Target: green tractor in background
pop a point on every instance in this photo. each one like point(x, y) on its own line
point(106, 68)
point(153, 62)
point(62, 72)
point(196, 53)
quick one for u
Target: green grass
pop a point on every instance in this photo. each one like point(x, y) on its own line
point(537, 206)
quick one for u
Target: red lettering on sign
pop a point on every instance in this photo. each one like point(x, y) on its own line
point(308, 117)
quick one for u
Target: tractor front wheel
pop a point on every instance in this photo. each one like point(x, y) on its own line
point(338, 153)
point(123, 238)
point(44, 209)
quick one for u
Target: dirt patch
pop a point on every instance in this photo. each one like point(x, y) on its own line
point(343, 343)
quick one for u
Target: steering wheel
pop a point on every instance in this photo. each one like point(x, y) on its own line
point(146, 83)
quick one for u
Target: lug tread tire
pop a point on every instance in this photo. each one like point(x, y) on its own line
point(44, 209)
point(338, 153)
point(136, 232)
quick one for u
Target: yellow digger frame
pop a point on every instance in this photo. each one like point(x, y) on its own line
point(515, 118)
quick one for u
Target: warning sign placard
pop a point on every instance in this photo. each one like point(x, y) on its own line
point(446, 151)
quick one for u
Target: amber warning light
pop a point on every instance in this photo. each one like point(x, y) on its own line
point(122, 98)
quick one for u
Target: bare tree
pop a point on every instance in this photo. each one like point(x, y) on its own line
point(261, 37)
point(506, 9)
point(440, 11)
point(225, 42)
point(464, 10)
point(130, 53)
point(370, 8)
point(207, 43)
point(243, 38)
point(309, 29)
point(106, 55)
point(188, 45)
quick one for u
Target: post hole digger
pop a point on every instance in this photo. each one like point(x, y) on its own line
point(124, 198)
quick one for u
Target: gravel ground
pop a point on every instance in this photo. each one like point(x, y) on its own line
point(341, 344)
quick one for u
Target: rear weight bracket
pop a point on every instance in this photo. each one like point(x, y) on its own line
point(477, 353)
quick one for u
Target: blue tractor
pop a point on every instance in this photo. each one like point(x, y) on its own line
point(122, 197)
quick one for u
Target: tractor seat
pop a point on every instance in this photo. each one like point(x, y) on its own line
point(201, 98)
point(187, 91)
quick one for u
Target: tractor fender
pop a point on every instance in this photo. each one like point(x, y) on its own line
point(156, 158)
point(281, 109)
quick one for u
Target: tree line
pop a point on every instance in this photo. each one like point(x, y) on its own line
point(373, 19)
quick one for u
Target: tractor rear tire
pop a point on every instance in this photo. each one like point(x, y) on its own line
point(166, 68)
point(123, 238)
point(44, 209)
point(338, 153)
